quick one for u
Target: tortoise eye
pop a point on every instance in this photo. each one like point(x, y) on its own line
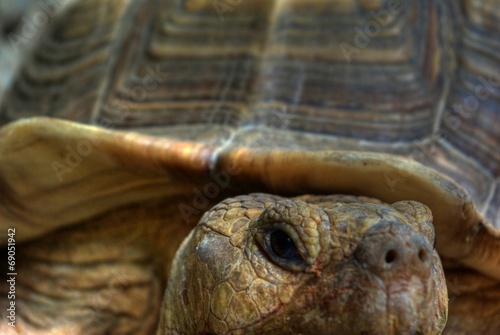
point(283, 246)
point(281, 249)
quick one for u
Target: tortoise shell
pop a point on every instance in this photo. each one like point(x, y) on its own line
point(417, 80)
point(297, 97)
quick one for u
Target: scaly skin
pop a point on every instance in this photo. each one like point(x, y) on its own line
point(360, 267)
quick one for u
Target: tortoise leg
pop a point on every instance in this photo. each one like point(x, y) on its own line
point(104, 276)
point(474, 303)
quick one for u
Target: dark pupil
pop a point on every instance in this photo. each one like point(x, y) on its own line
point(283, 245)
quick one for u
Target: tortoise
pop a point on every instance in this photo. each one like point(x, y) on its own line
point(254, 167)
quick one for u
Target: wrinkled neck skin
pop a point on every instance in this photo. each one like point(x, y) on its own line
point(357, 266)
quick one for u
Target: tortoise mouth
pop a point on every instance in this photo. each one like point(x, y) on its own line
point(352, 300)
point(406, 305)
point(408, 308)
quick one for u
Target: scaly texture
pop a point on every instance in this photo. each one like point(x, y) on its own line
point(355, 265)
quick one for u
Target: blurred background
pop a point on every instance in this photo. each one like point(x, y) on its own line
point(11, 18)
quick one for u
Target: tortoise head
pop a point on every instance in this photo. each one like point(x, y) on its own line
point(262, 264)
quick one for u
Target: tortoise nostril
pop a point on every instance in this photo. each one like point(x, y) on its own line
point(388, 253)
point(390, 256)
point(422, 255)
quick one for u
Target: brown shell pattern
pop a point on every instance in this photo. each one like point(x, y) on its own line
point(413, 78)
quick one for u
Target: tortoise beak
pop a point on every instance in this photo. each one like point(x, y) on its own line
point(400, 261)
point(392, 283)
point(397, 259)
